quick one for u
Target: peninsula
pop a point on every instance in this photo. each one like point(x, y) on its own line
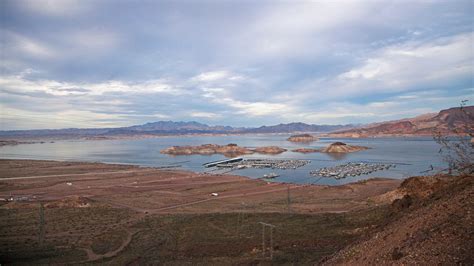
point(229, 150)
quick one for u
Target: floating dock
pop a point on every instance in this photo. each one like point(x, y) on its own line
point(351, 169)
point(260, 163)
point(233, 160)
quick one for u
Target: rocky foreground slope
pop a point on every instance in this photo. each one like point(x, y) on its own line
point(431, 224)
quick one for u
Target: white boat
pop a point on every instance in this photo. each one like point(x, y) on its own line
point(270, 175)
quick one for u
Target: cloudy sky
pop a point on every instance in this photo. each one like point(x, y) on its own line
point(241, 63)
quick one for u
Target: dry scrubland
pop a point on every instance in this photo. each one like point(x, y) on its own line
point(115, 214)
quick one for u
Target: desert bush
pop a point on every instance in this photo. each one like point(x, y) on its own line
point(457, 147)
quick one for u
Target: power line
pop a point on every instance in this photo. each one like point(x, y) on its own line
point(271, 226)
point(289, 200)
point(41, 225)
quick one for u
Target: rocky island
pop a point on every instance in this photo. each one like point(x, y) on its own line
point(341, 147)
point(15, 142)
point(302, 138)
point(306, 150)
point(269, 150)
point(229, 150)
point(336, 147)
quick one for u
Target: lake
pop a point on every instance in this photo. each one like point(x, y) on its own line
point(412, 156)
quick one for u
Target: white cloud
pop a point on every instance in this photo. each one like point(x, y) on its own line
point(20, 84)
point(56, 7)
point(407, 97)
point(391, 109)
point(328, 117)
point(211, 76)
point(14, 118)
point(257, 108)
point(22, 45)
point(160, 116)
point(297, 30)
point(147, 116)
point(93, 39)
point(205, 115)
point(402, 67)
point(381, 105)
point(434, 64)
point(264, 62)
point(219, 75)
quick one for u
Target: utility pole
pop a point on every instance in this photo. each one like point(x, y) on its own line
point(263, 240)
point(41, 225)
point(271, 243)
point(289, 200)
point(240, 219)
point(271, 226)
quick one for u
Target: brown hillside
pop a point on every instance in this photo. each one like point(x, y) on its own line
point(449, 121)
point(431, 225)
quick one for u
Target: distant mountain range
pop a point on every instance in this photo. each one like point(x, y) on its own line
point(448, 122)
point(170, 128)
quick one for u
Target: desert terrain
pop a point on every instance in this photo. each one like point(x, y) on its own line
point(92, 213)
point(107, 213)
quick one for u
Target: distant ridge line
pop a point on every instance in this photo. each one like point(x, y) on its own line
point(171, 127)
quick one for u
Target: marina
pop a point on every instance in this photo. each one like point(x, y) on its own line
point(351, 169)
point(411, 156)
point(240, 163)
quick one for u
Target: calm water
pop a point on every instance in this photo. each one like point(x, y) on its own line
point(412, 155)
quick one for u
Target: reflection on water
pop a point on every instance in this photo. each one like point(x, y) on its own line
point(337, 156)
point(411, 155)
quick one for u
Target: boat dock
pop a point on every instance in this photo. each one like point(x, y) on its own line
point(259, 163)
point(351, 169)
point(223, 162)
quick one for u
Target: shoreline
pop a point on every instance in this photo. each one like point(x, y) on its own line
point(177, 169)
point(91, 203)
point(154, 190)
point(38, 139)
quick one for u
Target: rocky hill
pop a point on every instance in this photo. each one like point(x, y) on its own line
point(341, 147)
point(449, 121)
point(302, 138)
point(431, 223)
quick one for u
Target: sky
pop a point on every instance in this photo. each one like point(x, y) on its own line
point(101, 63)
